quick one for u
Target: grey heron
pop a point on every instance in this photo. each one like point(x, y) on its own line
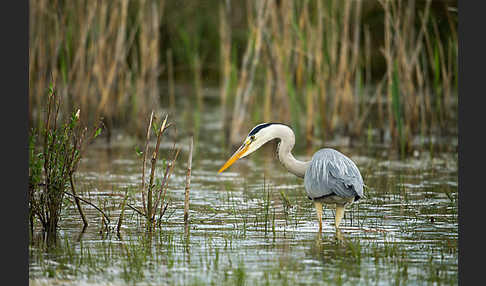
point(330, 177)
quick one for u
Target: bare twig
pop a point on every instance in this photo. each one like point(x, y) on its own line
point(91, 204)
point(76, 199)
point(162, 212)
point(136, 210)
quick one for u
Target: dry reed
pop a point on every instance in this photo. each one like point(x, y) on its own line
point(188, 181)
point(317, 62)
point(102, 56)
point(155, 192)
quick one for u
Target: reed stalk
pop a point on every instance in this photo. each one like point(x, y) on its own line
point(225, 54)
point(155, 154)
point(267, 101)
point(155, 192)
point(245, 84)
point(164, 185)
point(170, 72)
point(149, 128)
point(198, 83)
point(122, 213)
point(188, 181)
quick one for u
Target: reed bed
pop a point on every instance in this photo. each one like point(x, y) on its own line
point(324, 67)
point(102, 56)
point(315, 65)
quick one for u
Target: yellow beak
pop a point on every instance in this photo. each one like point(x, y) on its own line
point(237, 155)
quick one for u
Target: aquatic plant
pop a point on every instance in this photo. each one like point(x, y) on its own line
point(154, 191)
point(52, 169)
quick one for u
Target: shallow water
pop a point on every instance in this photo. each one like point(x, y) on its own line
point(253, 224)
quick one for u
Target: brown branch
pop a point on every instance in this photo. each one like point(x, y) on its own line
point(76, 199)
point(135, 209)
point(162, 212)
point(91, 204)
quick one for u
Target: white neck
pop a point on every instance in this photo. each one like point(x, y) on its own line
point(287, 142)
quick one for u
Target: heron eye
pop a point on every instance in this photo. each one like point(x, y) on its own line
point(252, 137)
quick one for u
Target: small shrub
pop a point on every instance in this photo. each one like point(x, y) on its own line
point(55, 150)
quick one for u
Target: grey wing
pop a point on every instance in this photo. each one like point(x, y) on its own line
point(331, 172)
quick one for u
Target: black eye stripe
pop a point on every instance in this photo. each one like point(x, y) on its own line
point(263, 125)
point(258, 127)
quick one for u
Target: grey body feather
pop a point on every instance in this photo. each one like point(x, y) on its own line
point(332, 173)
point(330, 177)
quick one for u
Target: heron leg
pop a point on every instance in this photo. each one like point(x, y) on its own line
point(319, 215)
point(339, 215)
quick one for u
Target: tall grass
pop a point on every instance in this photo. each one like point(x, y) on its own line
point(324, 67)
point(320, 65)
point(102, 56)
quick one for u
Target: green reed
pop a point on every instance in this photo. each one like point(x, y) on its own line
point(103, 57)
point(314, 54)
point(317, 65)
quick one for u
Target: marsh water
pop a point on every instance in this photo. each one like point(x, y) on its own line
point(253, 224)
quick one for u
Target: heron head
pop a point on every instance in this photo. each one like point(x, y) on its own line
point(258, 136)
